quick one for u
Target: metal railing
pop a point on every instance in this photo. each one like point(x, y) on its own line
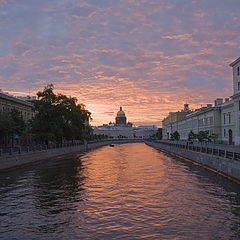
point(43, 147)
point(38, 147)
point(204, 148)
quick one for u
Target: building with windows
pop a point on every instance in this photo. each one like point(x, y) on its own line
point(8, 103)
point(170, 123)
point(221, 120)
point(236, 99)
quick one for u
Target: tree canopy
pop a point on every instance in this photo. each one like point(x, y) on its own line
point(158, 134)
point(175, 135)
point(59, 116)
point(191, 136)
point(11, 123)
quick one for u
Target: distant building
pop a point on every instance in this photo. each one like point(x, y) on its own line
point(27, 98)
point(145, 131)
point(122, 129)
point(8, 103)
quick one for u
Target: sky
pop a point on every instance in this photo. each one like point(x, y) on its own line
point(148, 56)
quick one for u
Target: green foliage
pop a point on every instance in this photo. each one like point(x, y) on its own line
point(213, 137)
point(121, 136)
point(158, 134)
point(175, 135)
point(203, 136)
point(100, 136)
point(59, 116)
point(191, 136)
point(11, 123)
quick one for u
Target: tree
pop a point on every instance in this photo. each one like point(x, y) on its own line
point(203, 136)
point(159, 134)
point(11, 123)
point(175, 135)
point(59, 116)
point(191, 136)
point(213, 137)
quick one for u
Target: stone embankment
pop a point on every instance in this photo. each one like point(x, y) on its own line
point(14, 160)
point(223, 160)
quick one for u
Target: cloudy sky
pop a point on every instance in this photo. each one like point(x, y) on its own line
point(149, 56)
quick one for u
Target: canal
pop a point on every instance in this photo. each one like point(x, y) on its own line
point(130, 191)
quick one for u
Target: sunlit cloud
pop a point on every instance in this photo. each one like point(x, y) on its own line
point(150, 57)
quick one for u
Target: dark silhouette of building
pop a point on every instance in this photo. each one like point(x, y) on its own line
point(121, 117)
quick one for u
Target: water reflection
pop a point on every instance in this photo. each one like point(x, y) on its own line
point(59, 185)
point(130, 191)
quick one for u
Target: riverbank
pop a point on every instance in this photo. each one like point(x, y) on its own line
point(23, 159)
point(221, 161)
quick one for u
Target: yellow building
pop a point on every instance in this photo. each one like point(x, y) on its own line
point(170, 123)
point(8, 103)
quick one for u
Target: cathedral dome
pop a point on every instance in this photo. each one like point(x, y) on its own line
point(121, 117)
point(120, 113)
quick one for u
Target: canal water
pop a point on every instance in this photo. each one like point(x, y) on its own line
point(130, 191)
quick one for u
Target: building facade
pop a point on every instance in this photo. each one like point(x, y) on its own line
point(8, 103)
point(170, 123)
point(221, 120)
point(236, 99)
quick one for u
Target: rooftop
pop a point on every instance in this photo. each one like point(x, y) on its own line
point(234, 62)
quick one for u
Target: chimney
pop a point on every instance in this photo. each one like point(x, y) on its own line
point(218, 102)
point(186, 107)
point(226, 99)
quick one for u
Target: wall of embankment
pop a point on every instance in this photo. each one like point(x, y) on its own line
point(17, 160)
point(224, 166)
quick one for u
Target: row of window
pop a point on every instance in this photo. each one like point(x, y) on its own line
point(196, 123)
point(205, 122)
point(25, 115)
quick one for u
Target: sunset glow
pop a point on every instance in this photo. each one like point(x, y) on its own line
point(150, 56)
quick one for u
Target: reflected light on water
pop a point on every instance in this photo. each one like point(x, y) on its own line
point(131, 191)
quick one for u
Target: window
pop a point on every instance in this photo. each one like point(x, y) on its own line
point(238, 86)
point(229, 117)
point(224, 132)
point(239, 105)
point(211, 120)
point(238, 71)
point(224, 118)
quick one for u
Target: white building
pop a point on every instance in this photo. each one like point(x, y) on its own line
point(236, 100)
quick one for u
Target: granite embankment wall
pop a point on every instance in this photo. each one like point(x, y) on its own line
point(222, 161)
point(16, 160)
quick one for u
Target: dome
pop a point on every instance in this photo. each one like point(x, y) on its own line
point(120, 113)
point(121, 118)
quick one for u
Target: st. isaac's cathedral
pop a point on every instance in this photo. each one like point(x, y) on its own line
point(123, 129)
point(121, 119)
